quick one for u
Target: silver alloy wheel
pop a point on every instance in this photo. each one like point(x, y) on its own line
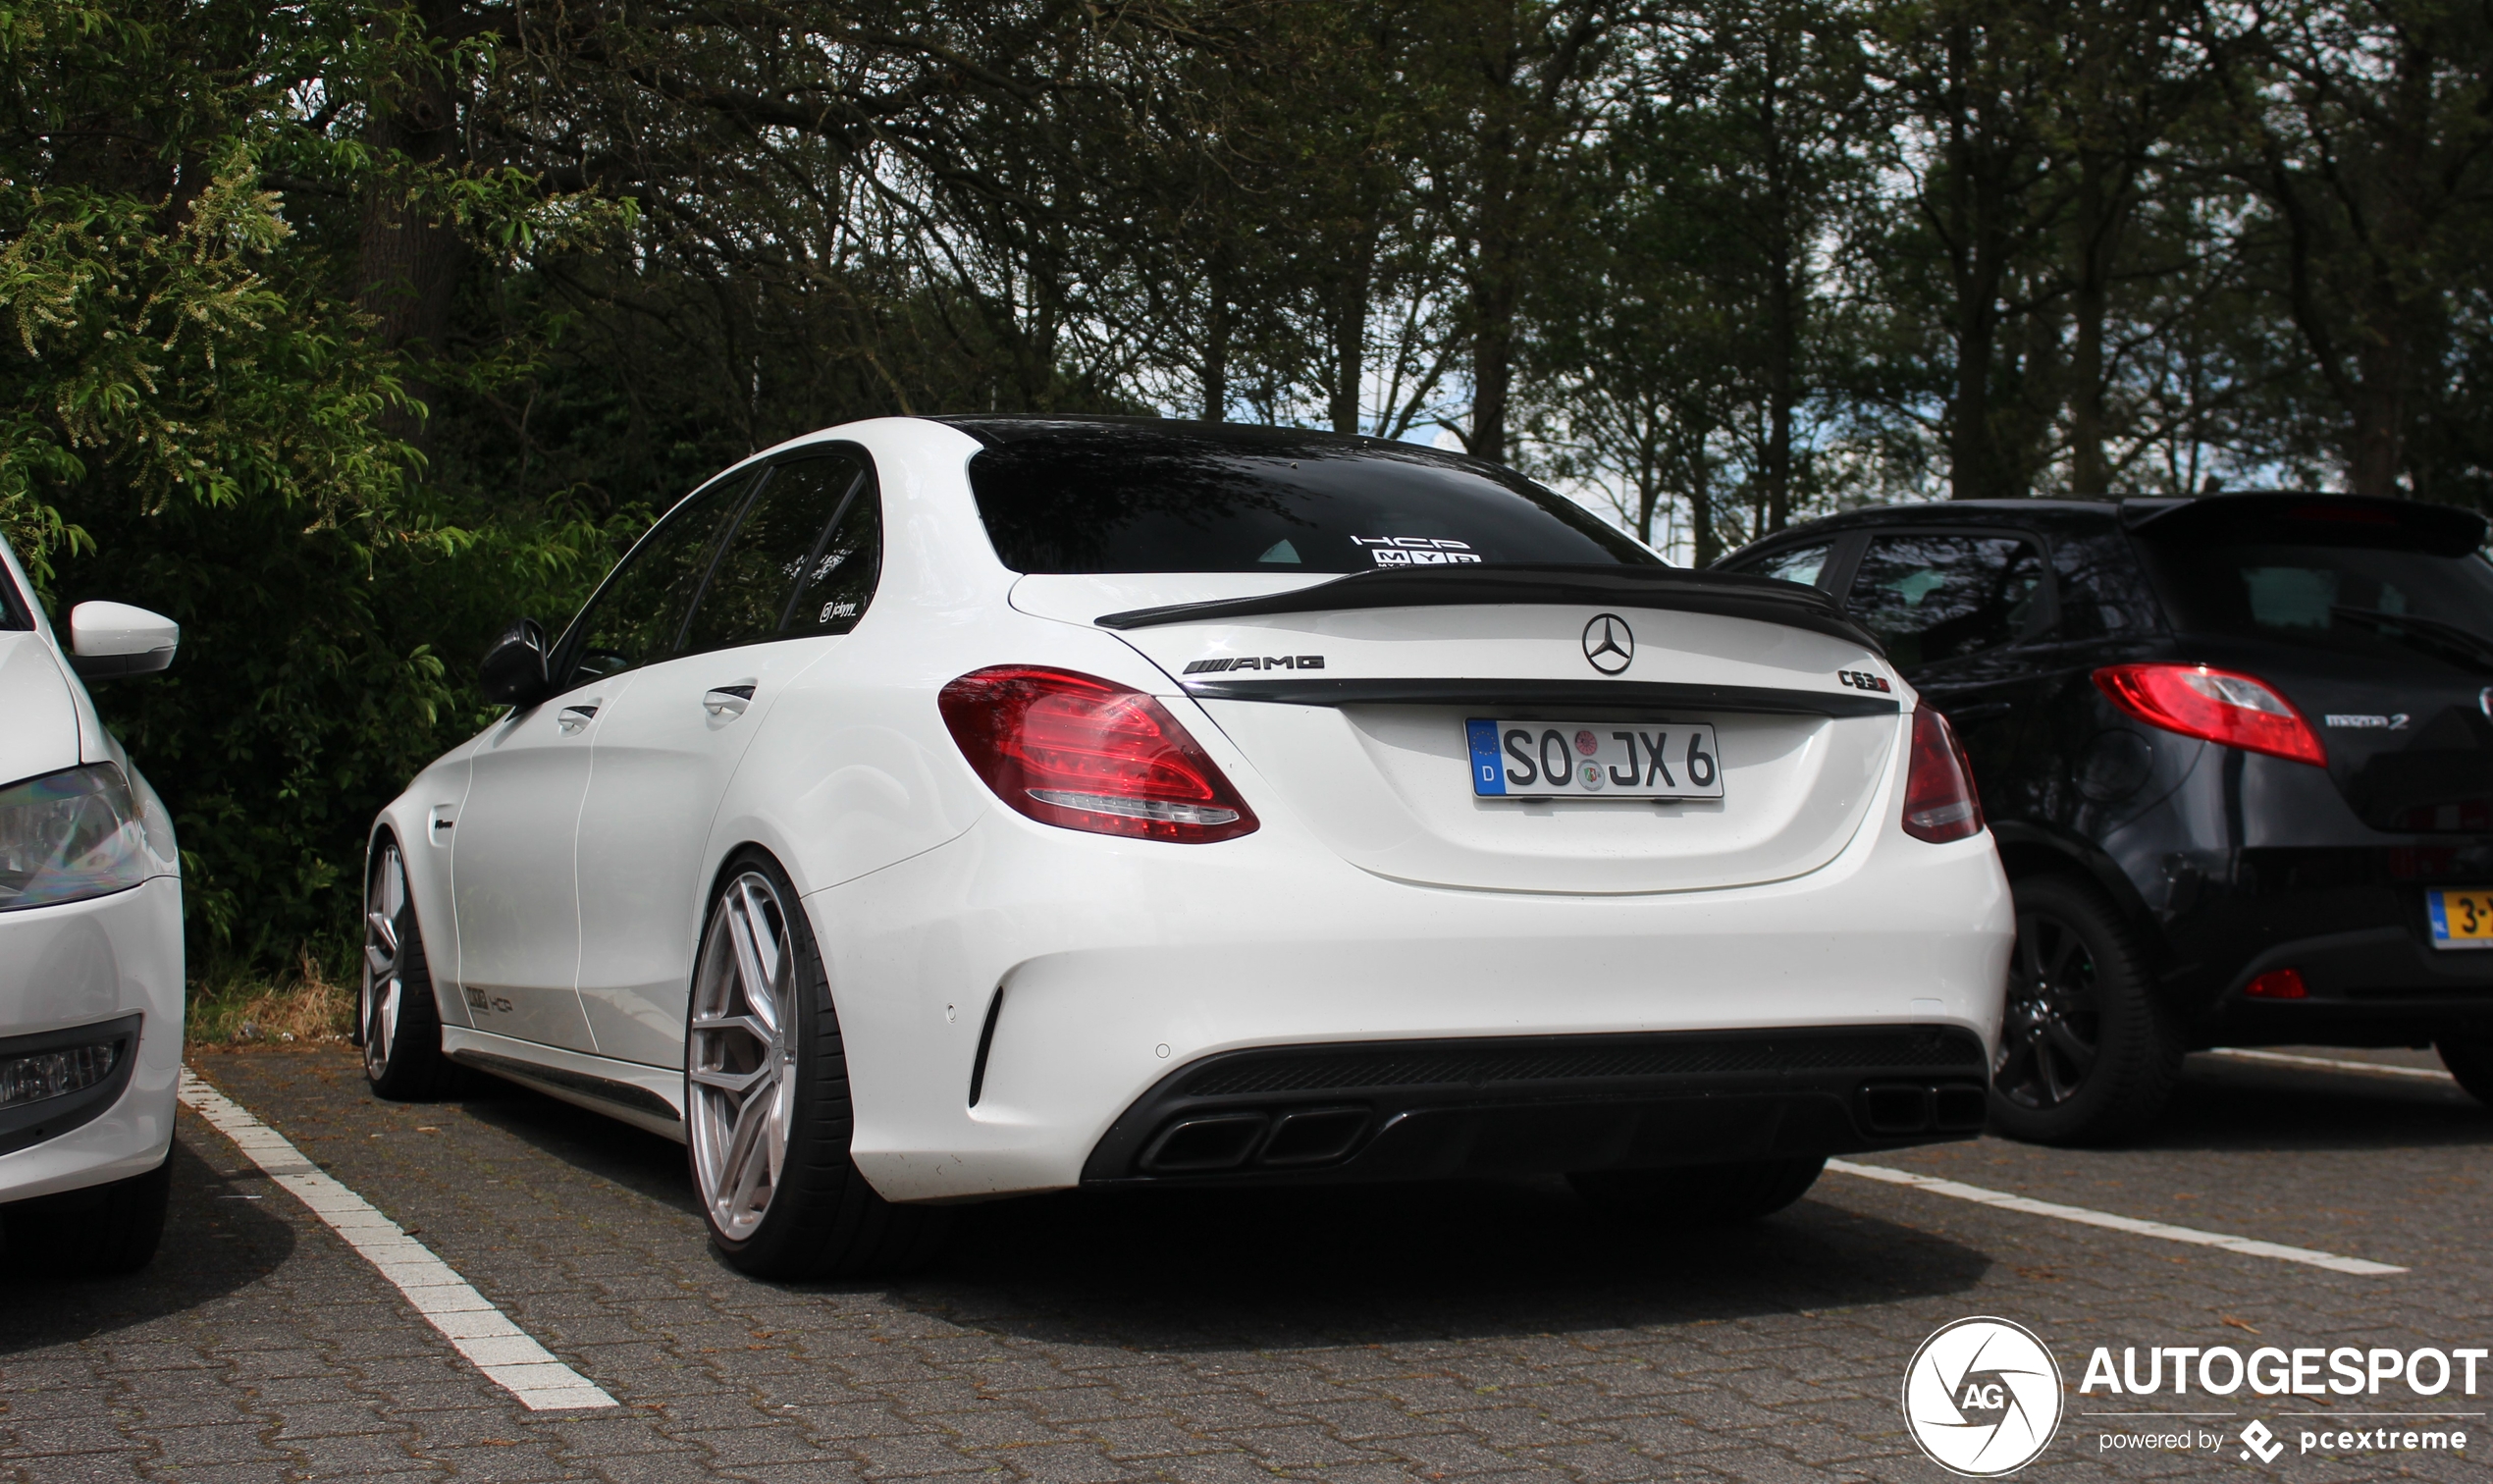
point(740, 1054)
point(385, 899)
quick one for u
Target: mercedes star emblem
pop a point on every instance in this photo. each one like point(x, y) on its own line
point(1608, 644)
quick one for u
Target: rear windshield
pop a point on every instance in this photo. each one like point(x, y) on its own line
point(1136, 499)
point(2353, 599)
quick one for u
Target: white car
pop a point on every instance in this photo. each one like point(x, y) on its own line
point(90, 945)
point(936, 809)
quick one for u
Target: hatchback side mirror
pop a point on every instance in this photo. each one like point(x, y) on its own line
point(514, 669)
point(110, 640)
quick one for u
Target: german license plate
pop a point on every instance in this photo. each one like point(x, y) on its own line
point(1587, 760)
point(2461, 919)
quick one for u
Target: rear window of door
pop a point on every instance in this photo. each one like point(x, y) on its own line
point(1935, 596)
point(1142, 499)
point(788, 544)
point(640, 609)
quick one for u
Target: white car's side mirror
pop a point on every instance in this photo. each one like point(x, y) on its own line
point(110, 640)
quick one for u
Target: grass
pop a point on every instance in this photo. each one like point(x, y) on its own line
point(305, 1007)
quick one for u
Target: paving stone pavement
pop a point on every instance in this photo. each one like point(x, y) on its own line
point(1492, 1330)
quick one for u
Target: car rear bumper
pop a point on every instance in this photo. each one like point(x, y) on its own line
point(86, 969)
point(1077, 980)
point(2376, 986)
point(1438, 1109)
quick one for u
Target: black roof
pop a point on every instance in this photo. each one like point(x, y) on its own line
point(997, 430)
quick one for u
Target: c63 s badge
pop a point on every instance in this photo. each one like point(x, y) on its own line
point(1863, 680)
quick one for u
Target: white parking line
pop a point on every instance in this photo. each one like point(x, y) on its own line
point(501, 1349)
point(2333, 1064)
point(2246, 1245)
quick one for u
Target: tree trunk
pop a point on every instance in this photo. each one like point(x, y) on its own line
point(1493, 306)
point(1216, 350)
point(1783, 310)
point(2376, 451)
point(1349, 333)
point(1974, 271)
point(2089, 476)
point(1706, 546)
point(408, 255)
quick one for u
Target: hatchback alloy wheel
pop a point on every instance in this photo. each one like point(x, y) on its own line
point(2050, 1033)
point(742, 1061)
point(2086, 1055)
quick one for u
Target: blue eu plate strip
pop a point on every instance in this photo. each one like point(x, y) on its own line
point(2434, 900)
point(1488, 768)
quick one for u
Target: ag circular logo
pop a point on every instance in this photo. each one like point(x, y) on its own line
point(1982, 1397)
point(1609, 643)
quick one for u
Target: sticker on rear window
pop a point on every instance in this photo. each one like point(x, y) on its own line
point(1416, 551)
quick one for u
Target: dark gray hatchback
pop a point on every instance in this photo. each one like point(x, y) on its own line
point(2237, 754)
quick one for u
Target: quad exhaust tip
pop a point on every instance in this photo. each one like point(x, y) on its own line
point(1303, 1138)
point(1897, 1108)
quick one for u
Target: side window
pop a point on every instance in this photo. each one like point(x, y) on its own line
point(839, 580)
point(1804, 564)
point(634, 618)
point(775, 548)
point(2103, 591)
point(1938, 596)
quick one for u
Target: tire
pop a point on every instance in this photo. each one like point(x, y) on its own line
point(1700, 1196)
point(2471, 1063)
point(397, 1021)
point(2086, 1055)
point(102, 1232)
point(766, 1107)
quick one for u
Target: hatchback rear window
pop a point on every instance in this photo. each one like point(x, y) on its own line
point(1140, 498)
point(2354, 599)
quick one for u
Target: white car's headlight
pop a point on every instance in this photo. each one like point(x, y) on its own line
point(69, 835)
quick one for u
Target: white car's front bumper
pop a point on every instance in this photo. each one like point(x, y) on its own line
point(1120, 963)
point(84, 963)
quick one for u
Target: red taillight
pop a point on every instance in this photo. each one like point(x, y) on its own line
point(2215, 705)
point(1940, 803)
point(2278, 984)
point(1079, 752)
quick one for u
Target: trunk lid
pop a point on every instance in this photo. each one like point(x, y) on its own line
point(1351, 697)
point(2374, 617)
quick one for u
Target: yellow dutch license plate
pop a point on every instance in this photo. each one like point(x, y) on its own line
point(2461, 919)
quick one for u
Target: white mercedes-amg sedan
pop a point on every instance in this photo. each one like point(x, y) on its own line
point(931, 810)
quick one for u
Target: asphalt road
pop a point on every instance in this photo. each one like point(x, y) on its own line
point(1455, 1332)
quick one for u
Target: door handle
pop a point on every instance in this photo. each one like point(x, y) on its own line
point(727, 700)
point(571, 718)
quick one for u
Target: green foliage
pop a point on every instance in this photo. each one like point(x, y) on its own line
point(193, 418)
point(345, 332)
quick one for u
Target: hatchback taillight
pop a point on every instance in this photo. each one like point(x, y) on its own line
point(1940, 801)
point(1081, 752)
point(2214, 706)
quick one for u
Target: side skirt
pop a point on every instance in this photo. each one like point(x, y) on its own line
point(646, 1098)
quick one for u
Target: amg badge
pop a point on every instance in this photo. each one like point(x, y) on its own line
point(1249, 661)
point(1863, 680)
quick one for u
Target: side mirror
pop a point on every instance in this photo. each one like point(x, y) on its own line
point(111, 640)
point(514, 669)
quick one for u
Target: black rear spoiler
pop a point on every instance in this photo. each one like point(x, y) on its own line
point(2289, 519)
point(1724, 595)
